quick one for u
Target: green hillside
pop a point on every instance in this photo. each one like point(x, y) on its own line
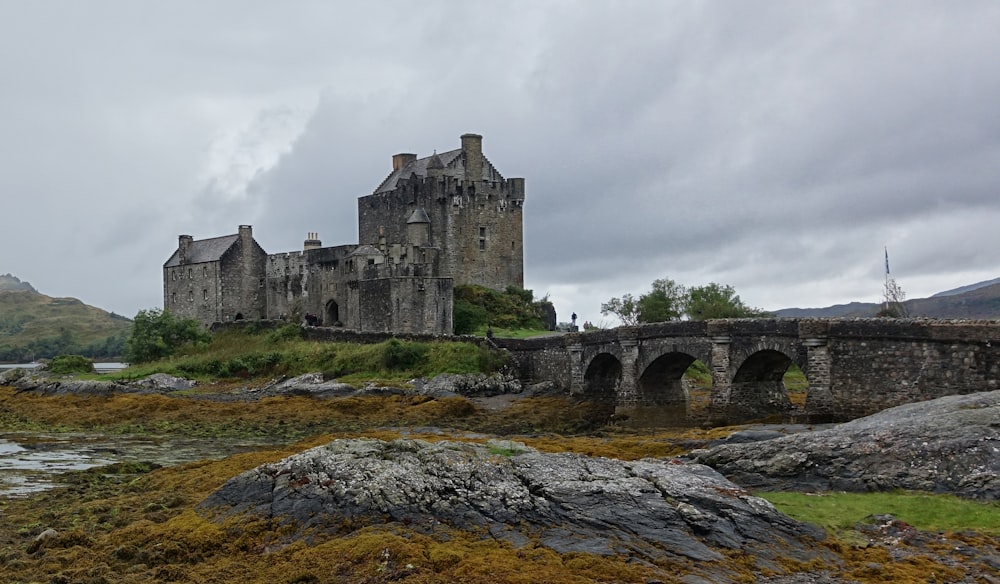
point(34, 326)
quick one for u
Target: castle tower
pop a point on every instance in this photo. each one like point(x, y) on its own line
point(474, 214)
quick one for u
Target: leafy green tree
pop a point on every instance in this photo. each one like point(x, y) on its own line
point(476, 307)
point(718, 301)
point(158, 333)
point(664, 302)
point(625, 308)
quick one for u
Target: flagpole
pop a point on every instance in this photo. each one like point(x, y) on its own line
point(885, 299)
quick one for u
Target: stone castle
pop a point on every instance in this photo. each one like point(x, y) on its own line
point(436, 222)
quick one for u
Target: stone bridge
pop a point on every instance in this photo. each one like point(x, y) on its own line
point(854, 367)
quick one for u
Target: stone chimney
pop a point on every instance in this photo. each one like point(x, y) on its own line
point(312, 241)
point(184, 247)
point(472, 148)
point(401, 160)
point(246, 237)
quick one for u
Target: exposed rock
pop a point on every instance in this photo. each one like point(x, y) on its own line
point(162, 381)
point(313, 384)
point(950, 444)
point(47, 384)
point(41, 539)
point(471, 385)
point(567, 502)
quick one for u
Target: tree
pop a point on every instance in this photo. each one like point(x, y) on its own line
point(718, 301)
point(664, 302)
point(625, 308)
point(894, 301)
point(158, 333)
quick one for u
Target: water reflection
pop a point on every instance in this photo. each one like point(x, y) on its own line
point(31, 462)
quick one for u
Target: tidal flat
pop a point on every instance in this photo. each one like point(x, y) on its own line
point(140, 520)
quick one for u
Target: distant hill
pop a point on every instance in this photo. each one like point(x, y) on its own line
point(34, 326)
point(968, 288)
point(975, 301)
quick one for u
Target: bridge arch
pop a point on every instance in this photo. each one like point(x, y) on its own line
point(758, 386)
point(662, 397)
point(601, 383)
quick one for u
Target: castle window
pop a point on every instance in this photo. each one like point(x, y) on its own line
point(482, 239)
point(190, 295)
point(204, 271)
point(190, 274)
point(173, 276)
point(204, 294)
point(173, 298)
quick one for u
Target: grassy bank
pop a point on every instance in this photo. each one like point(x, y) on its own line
point(241, 355)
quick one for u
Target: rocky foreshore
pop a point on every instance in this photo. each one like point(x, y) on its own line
point(947, 445)
point(42, 382)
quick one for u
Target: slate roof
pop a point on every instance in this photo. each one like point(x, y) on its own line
point(365, 250)
point(203, 250)
point(418, 216)
point(451, 164)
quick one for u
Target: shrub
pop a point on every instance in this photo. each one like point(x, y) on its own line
point(66, 364)
point(289, 332)
point(399, 356)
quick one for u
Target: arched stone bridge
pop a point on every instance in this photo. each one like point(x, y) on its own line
point(854, 367)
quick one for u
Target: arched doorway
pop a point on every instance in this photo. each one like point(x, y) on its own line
point(332, 314)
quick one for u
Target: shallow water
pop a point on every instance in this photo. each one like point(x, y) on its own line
point(32, 462)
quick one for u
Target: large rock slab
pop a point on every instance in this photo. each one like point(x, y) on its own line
point(568, 502)
point(946, 445)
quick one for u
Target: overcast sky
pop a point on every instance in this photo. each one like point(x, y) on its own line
point(776, 146)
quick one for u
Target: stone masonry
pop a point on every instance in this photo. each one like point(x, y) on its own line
point(854, 367)
point(436, 222)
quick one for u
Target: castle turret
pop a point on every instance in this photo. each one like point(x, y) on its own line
point(418, 228)
point(472, 150)
point(434, 166)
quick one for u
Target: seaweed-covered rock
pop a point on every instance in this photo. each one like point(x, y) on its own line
point(567, 502)
point(946, 445)
point(469, 385)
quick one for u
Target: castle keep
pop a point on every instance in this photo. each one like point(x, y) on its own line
point(436, 222)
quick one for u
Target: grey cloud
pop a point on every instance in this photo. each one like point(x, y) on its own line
point(773, 146)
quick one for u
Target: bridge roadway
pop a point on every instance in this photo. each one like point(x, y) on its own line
point(854, 367)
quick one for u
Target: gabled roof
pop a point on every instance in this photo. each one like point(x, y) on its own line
point(204, 250)
point(452, 164)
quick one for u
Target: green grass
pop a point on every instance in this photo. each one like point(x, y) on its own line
point(239, 355)
point(840, 512)
point(510, 333)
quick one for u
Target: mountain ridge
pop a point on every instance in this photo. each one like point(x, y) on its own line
point(975, 301)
